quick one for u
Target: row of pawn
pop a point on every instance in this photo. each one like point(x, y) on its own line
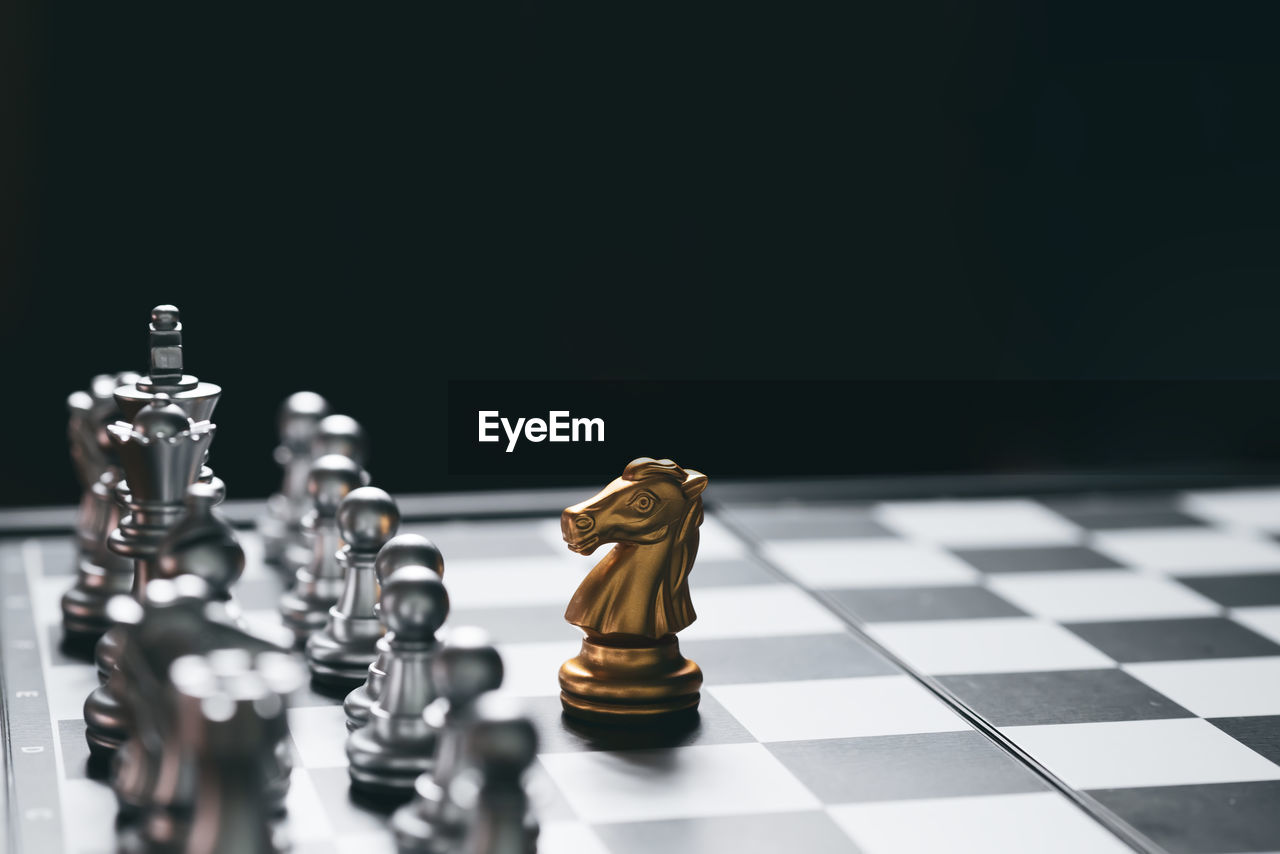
point(421, 715)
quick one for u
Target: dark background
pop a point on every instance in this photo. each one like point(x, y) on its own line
point(371, 202)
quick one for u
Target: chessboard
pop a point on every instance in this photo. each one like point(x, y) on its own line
point(1063, 673)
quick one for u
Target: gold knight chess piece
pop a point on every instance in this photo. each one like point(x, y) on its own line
point(633, 602)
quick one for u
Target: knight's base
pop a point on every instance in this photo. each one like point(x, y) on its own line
point(609, 682)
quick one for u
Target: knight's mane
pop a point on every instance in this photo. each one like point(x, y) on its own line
point(646, 467)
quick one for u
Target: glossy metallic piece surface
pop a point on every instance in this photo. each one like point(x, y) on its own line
point(632, 603)
point(340, 654)
point(318, 584)
point(397, 745)
point(400, 550)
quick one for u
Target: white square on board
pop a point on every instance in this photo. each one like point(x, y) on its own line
point(1237, 508)
point(769, 610)
point(505, 582)
point(1265, 620)
point(837, 708)
point(1091, 595)
point(569, 837)
point(1043, 822)
point(532, 669)
point(1126, 754)
point(1190, 551)
point(685, 782)
point(871, 562)
point(1216, 688)
point(1001, 645)
point(985, 523)
point(319, 734)
point(66, 688)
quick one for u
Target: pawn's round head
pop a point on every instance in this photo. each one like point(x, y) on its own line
point(331, 478)
point(466, 666)
point(414, 603)
point(300, 416)
point(165, 317)
point(161, 419)
point(367, 518)
point(340, 434)
point(408, 550)
point(203, 497)
point(501, 739)
point(210, 554)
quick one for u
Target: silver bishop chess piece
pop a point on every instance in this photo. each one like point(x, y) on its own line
point(400, 550)
point(281, 525)
point(318, 583)
point(387, 754)
point(340, 654)
point(465, 669)
point(161, 452)
point(100, 573)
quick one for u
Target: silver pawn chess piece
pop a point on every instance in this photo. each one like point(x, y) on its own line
point(341, 434)
point(281, 525)
point(466, 668)
point(161, 454)
point(100, 573)
point(340, 654)
point(233, 714)
point(318, 584)
point(204, 544)
point(336, 434)
point(500, 745)
point(396, 746)
point(400, 550)
point(165, 379)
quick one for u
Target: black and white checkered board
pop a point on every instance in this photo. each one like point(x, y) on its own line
point(1129, 645)
point(810, 740)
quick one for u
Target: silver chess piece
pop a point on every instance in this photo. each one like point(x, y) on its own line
point(500, 745)
point(318, 584)
point(336, 434)
point(387, 754)
point(466, 668)
point(281, 525)
point(100, 573)
point(400, 550)
point(187, 612)
point(231, 710)
point(340, 654)
point(161, 453)
point(165, 379)
point(166, 375)
point(341, 434)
